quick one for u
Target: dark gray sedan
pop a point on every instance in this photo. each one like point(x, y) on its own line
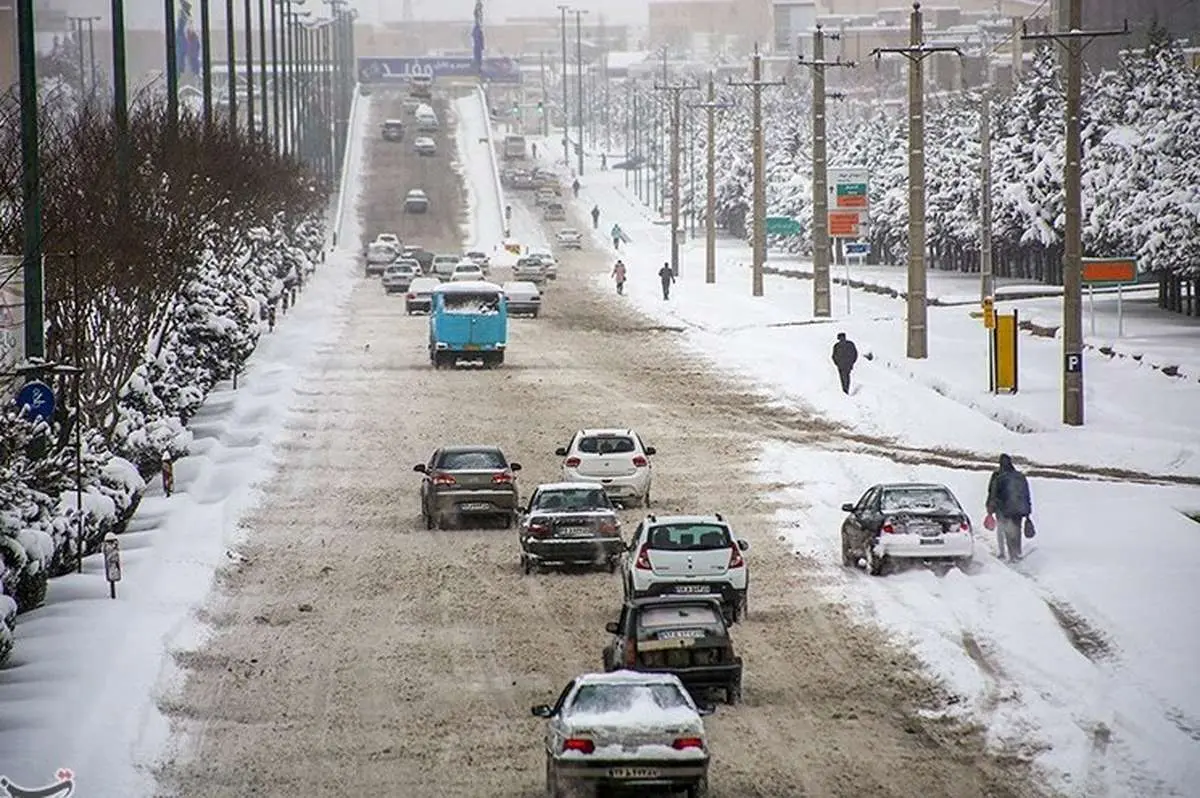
point(463, 482)
point(570, 523)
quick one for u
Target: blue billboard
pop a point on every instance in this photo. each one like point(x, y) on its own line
point(373, 69)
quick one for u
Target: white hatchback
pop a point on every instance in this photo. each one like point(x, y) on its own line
point(467, 271)
point(688, 555)
point(616, 458)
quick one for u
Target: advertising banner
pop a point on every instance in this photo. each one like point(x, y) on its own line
point(377, 70)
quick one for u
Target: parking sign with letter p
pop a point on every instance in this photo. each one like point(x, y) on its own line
point(1073, 363)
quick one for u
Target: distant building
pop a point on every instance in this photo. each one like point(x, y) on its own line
point(727, 26)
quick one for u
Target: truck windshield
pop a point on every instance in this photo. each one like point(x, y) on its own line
point(480, 303)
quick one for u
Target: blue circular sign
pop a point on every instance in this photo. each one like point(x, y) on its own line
point(37, 399)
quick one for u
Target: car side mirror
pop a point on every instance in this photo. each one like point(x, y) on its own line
point(705, 709)
point(651, 451)
point(744, 545)
point(514, 466)
point(612, 627)
point(420, 468)
point(847, 508)
point(561, 451)
point(542, 711)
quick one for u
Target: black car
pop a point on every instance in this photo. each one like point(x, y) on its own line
point(392, 130)
point(906, 521)
point(421, 255)
point(570, 523)
point(683, 635)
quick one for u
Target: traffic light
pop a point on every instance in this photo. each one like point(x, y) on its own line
point(516, 109)
point(541, 107)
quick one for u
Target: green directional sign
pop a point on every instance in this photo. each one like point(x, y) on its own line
point(782, 226)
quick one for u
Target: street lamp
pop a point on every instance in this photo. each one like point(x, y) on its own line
point(565, 112)
point(579, 82)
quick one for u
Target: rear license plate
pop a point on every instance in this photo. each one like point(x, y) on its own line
point(472, 347)
point(634, 773)
point(475, 506)
point(932, 541)
point(691, 589)
point(575, 531)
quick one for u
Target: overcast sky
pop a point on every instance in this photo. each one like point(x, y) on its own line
point(148, 13)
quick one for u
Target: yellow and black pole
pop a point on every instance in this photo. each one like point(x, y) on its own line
point(31, 184)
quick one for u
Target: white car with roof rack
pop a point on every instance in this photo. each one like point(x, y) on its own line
point(616, 458)
point(688, 555)
point(625, 730)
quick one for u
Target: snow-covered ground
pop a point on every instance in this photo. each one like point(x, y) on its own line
point(1079, 656)
point(88, 672)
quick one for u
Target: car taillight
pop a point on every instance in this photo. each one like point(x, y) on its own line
point(682, 743)
point(502, 479)
point(580, 744)
point(640, 462)
point(411, 296)
point(735, 558)
point(888, 527)
point(964, 525)
point(608, 529)
point(572, 462)
point(643, 559)
point(539, 530)
point(443, 479)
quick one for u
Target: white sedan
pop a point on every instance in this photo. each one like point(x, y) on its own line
point(625, 730)
point(569, 238)
point(467, 271)
point(546, 257)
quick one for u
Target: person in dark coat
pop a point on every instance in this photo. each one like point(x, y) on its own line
point(667, 276)
point(1009, 503)
point(845, 355)
point(595, 216)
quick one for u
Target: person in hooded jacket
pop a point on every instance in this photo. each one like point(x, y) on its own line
point(1009, 506)
point(618, 274)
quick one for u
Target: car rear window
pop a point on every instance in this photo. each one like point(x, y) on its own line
point(689, 537)
point(604, 699)
point(653, 619)
point(573, 499)
point(607, 444)
point(480, 460)
point(937, 499)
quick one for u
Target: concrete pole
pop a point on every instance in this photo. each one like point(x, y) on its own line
point(172, 70)
point(822, 302)
point(566, 113)
point(231, 66)
point(579, 82)
point(1072, 337)
point(263, 77)
point(1018, 52)
point(676, 123)
point(248, 16)
point(206, 65)
point(760, 194)
point(710, 207)
point(986, 287)
point(918, 331)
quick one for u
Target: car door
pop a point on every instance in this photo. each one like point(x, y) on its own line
point(427, 486)
point(614, 654)
point(635, 543)
point(861, 531)
point(554, 728)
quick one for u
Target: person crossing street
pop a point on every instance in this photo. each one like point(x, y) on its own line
point(1009, 506)
point(667, 276)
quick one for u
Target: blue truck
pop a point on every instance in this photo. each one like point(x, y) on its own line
point(468, 322)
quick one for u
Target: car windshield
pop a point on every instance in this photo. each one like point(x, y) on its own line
point(919, 498)
point(485, 304)
point(607, 444)
point(476, 460)
point(653, 619)
point(689, 537)
point(607, 699)
point(572, 499)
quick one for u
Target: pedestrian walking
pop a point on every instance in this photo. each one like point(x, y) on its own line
point(845, 355)
point(667, 276)
point(618, 274)
point(595, 217)
point(617, 236)
point(1009, 506)
point(533, 146)
point(603, 161)
point(575, 187)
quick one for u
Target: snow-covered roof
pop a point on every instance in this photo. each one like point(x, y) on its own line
point(468, 287)
point(628, 677)
point(571, 486)
point(686, 519)
point(606, 431)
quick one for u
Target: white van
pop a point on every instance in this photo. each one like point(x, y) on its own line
point(427, 120)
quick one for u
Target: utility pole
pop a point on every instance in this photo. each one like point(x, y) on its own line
point(31, 184)
point(986, 285)
point(91, 22)
point(579, 82)
point(262, 68)
point(756, 85)
point(566, 113)
point(916, 52)
point(206, 65)
point(822, 300)
point(1073, 40)
point(710, 208)
point(231, 67)
point(249, 18)
point(77, 26)
point(276, 83)
point(121, 109)
point(676, 91)
point(172, 71)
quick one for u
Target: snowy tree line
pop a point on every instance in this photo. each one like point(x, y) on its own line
point(1141, 170)
point(156, 300)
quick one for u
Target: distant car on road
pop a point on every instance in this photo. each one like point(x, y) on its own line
point(570, 523)
point(392, 130)
point(443, 266)
point(546, 257)
point(554, 212)
point(421, 255)
point(682, 635)
point(388, 238)
point(398, 276)
point(424, 145)
point(420, 295)
point(531, 270)
point(380, 255)
point(689, 555)
point(616, 458)
point(462, 482)
point(636, 732)
point(524, 298)
point(906, 521)
point(480, 257)
point(569, 238)
point(416, 201)
point(466, 271)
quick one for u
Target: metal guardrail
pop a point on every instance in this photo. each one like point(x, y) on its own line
point(491, 141)
point(352, 141)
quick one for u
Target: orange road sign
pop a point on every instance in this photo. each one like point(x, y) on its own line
point(843, 224)
point(1109, 270)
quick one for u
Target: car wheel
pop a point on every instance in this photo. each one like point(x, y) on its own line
point(733, 692)
point(964, 563)
point(508, 520)
point(612, 565)
point(526, 565)
point(442, 522)
point(552, 789)
point(699, 789)
point(875, 563)
point(848, 558)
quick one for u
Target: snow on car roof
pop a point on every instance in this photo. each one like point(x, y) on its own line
point(629, 677)
point(687, 519)
point(468, 287)
point(571, 486)
point(605, 431)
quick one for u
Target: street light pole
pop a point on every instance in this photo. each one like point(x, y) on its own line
point(172, 70)
point(231, 67)
point(262, 70)
point(121, 108)
point(249, 19)
point(206, 64)
point(31, 184)
point(77, 26)
point(579, 82)
point(276, 88)
point(566, 113)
